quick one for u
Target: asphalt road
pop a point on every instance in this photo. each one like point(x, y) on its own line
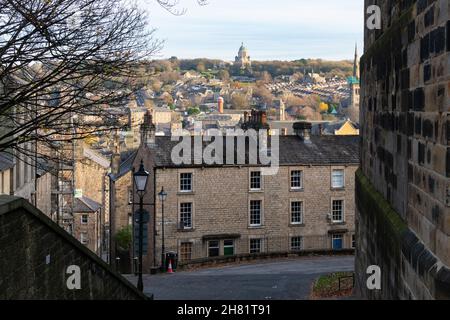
point(268, 280)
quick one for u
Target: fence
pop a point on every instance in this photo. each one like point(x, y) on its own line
point(212, 248)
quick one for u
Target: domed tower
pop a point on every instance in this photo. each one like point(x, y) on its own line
point(242, 60)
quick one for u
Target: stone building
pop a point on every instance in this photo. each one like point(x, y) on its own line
point(220, 210)
point(87, 215)
point(403, 188)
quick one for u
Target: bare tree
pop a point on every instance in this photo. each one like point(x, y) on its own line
point(65, 61)
point(173, 6)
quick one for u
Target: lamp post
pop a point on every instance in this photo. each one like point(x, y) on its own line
point(162, 197)
point(140, 180)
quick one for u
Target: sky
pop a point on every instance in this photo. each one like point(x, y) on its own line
point(270, 29)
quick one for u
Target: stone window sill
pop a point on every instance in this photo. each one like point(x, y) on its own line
point(296, 225)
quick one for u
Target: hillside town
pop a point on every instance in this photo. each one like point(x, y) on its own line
point(151, 166)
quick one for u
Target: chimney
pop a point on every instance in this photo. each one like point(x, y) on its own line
point(245, 117)
point(115, 157)
point(263, 118)
point(303, 130)
point(148, 134)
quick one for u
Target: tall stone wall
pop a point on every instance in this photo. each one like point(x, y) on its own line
point(405, 155)
point(35, 254)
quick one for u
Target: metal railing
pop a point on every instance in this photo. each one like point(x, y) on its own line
point(193, 249)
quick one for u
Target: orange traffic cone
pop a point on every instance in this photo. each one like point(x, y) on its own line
point(169, 269)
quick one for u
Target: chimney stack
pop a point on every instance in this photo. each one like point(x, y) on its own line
point(303, 130)
point(115, 157)
point(148, 131)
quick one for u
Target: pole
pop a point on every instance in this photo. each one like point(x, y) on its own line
point(163, 249)
point(140, 285)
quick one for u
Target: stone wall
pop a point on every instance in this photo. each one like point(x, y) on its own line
point(405, 155)
point(35, 254)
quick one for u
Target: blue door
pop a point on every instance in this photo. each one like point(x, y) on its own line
point(337, 242)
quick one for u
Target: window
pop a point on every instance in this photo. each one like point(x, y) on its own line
point(337, 241)
point(84, 219)
point(83, 238)
point(296, 212)
point(338, 211)
point(186, 182)
point(213, 248)
point(337, 179)
point(296, 243)
point(255, 245)
point(296, 179)
point(130, 219)
point(255, 180)
point(186, 251)
point(130, 196)
point(255, 212)
point(228, 247)
point(186, 215)
point(353, 241)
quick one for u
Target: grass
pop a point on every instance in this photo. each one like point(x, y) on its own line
point(327, 286)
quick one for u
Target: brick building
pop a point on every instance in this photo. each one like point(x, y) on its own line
point(403, 190)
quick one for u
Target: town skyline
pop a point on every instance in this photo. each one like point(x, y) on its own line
point(324, 30)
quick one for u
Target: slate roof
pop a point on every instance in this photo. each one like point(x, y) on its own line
point(85, 205)
point(126, 164)
point(6, 161)
point(322, 150)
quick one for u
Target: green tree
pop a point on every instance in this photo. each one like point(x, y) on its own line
point(124, 238)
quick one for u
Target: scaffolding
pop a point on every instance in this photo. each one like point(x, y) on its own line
point(63, 190)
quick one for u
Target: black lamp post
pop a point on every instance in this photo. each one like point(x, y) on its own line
point(140, 180)
point(162, 197)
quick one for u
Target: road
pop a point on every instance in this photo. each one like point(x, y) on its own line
point(269, 280)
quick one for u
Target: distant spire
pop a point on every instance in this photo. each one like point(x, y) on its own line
point(356, 63)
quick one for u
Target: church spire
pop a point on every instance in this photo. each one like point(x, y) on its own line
point(356, 63)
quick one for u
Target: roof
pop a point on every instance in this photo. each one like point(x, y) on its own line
point(6, 161)
point(322, 150)
point(126, 164)
point(352, 80)
point(331, 127)
point(85, 205)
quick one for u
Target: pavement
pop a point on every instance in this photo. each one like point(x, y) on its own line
point(288, 279)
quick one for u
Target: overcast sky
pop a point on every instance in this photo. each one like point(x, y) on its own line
point(271, 29)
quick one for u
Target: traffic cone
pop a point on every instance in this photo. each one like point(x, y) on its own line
point(169, 269)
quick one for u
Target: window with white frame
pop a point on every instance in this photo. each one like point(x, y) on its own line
point(213, 248)
point(337, 179)
point(296, 212)
point(255, 245)
point(130, 196)
point(255, 180)
point(296, 243)
point(84, 219)
point(296, 179)
point(84, 238)
point(255, 212)
point(186, 215)
point(337, 211)
point(186, 182)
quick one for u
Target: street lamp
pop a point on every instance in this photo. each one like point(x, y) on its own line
point(162, 197)
point(140, 180)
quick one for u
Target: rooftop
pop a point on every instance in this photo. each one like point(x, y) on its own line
point(322, 150)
